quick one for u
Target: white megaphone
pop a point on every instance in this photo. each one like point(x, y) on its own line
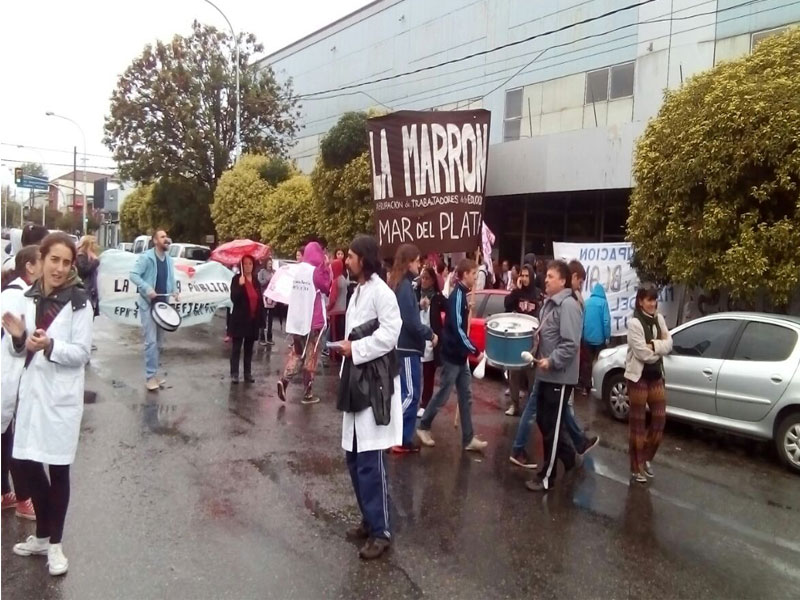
point(480, 370)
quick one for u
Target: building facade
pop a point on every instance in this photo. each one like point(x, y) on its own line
point(570, 84)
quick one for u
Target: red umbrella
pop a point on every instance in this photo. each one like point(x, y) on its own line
point(232, 253)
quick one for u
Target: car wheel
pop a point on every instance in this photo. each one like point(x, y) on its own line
point(787, 441)
point(616, 397)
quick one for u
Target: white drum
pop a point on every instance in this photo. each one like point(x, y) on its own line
point(165, 316)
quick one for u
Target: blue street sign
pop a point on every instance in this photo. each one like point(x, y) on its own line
point(33, 182)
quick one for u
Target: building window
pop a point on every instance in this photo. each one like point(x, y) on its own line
point(759, 37)
point(597, 86)
point(513, 118)
point(610, 83)
point(621, 85)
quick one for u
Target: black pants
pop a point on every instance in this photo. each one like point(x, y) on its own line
point(13, 466)
point(553, 397)
point(265, 334)
point(236, 350)
point(428, 377)
point(50, 498)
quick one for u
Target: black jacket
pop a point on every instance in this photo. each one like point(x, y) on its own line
point(242, 325)
point(438, 309)
point(368, 384)
point(514, 302)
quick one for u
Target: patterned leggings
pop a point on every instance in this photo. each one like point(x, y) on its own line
point(644, 440)
point(303, 356)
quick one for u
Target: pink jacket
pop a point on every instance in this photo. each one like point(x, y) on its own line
point(314, 256)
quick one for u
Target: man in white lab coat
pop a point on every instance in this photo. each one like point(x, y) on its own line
point(362, 438)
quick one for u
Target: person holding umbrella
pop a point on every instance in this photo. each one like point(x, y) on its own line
point(247, 318)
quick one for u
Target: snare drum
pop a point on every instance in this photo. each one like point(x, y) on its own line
point(508, 335)
point(165, 316)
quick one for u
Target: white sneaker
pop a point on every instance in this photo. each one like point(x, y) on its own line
point(57, 563)
point(476, 445)
point(152, 384)
point(420, 412)
point(648, 469)
point(425, 438)
point(511, 412)
point(32, 546)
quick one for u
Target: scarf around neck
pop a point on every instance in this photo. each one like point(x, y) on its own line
point(648, 322)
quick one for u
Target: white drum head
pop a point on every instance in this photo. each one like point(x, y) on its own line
point(166, 316)
point(512, 324)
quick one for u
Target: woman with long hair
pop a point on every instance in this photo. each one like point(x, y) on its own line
point(432, 305)
point(649, 341)
point(27, 269)
point(87, 263)
point(247, 318)
point(411, 344)
point(55, 337)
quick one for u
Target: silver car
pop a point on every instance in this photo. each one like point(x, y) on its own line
point(731, 371)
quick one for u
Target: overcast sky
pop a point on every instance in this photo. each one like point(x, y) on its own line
point(65, 56)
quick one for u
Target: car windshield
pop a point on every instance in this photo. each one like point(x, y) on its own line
point(494, 305)
point(197, 253)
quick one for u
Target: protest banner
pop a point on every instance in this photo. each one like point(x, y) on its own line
point(429, 178)
point(203, 289)
point(609, 264)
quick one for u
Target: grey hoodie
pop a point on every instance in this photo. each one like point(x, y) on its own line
point(560, 338)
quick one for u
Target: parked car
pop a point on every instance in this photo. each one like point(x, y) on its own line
point(487, 303)
point(736, 372)
point(143, 243)
point(125, 246)
point(190, 253)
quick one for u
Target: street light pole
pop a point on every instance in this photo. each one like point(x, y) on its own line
point(238, 152)
point(52, 114)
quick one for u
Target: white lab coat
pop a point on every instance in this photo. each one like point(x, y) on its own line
point(11, 301)
point(51, 390)
point(374, 299)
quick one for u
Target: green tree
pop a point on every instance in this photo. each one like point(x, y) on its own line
point(289, 219)
point(51, 217)
point(180, 206)
point(173, 112)
point(73, 221)
point(345, 141)
point(129, 219)
point(717, 173)
point(240, 198)
point(34, 169)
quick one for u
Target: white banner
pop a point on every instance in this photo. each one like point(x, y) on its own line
point(609, 264)
point(203, 289)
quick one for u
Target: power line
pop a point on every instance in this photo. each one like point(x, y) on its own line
point(52, 164)
point(54, 150)
point(482, 52)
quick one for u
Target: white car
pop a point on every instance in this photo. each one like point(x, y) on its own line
point(189, 253)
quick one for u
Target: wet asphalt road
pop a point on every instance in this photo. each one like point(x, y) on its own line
point(208, 490)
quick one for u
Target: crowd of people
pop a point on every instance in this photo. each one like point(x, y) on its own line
point(395, 324)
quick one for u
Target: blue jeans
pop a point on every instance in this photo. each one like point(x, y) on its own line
point(153, 336)
point(368, 474)
point(527, 420)
point(410, 390)
point(459, 376)
point(573, 429)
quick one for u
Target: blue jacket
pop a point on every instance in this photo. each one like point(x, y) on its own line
point(413, 334)
point(144, 275)
point(456, 345)
point(597, 318)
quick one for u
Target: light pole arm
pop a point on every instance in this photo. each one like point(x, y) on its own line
point(83, 135)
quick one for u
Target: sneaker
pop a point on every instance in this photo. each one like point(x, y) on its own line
point(227, 339)
point(521, 459)
point(326, 353)
point(537, 485)
point(162, 381)
point(262, 342)
point(420, 412)
point(25, 510)
point(57, 563)
point(507, 392)
point(512, 411)
point(32, 546)
point(476, 445)
point(648, 469)
point(249, 378)
point(270, 343)
point(425, 437)
point(235, 378)
point(359, 532)
point(590, 443)
point(404, 449)
point(9, 500)
point(374, 548)
point(282, 390)
point(310, 400)
point(152, 384)
point(639, 477)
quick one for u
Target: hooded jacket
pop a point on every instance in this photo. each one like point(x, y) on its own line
point(517, 299)
point(560, 338)
point(597, 318)
point(413, 334)
point(313, 256)
point(456, 345)
point(144, 276)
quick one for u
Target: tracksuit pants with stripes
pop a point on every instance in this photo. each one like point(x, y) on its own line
point(368, 473)
point(551, 417)
point(410, 390)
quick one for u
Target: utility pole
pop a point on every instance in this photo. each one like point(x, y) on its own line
point(74, 177)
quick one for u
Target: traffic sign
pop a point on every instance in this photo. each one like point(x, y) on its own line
point(33, 182)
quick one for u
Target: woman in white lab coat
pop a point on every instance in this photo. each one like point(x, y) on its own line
point(55, 336)
point(362, 438)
